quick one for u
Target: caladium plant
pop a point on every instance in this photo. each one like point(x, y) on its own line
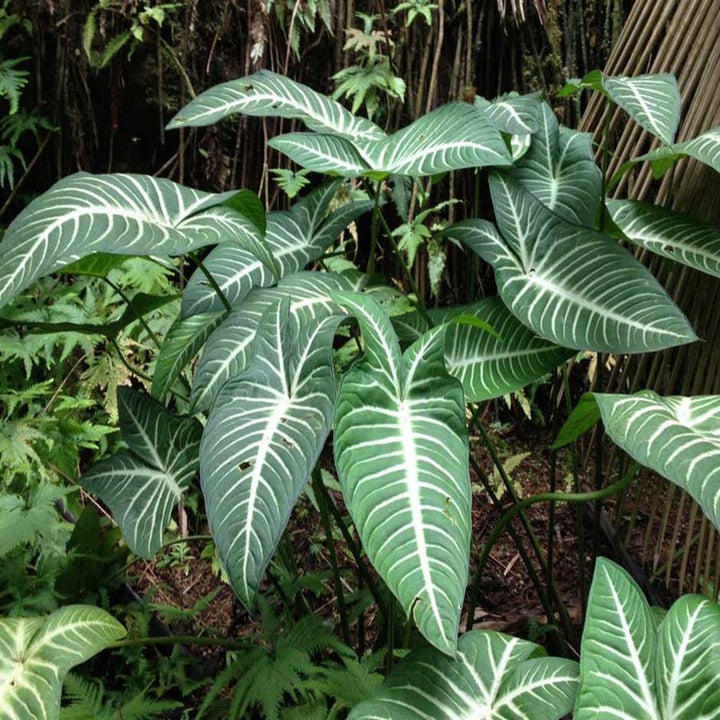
point(266, 385)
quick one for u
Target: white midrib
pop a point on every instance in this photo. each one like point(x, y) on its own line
point(677, 666)
point(407, 439)
point(647, 696)
point(263, 447)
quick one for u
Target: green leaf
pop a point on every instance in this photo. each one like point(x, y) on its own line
point(295, 237)
point(512, 113)
point(262, 440)
point(453, 137)
point(401, 450)
point(679, 437)
point(493, 677)
point(36, 654)
point(322, 153)
point(687, 663)
point(559, 170)
point(569, 284)
point(96, 265)
point(653, 101)
point(634, 669)
point(618, 650)
point(141, 485)
point(249, 205)
point(125, 214)
point(584, 416)
point(183, 341)
point(228, 349)
point(668, 233)
point(266, 94)
point(492, 365)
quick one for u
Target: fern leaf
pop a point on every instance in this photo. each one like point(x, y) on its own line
point(12, 80)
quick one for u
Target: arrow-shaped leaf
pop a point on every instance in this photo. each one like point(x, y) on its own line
point(668, 233)
point(141, 485)
point(36, 654)
point(569, 284)
point(127, 214)
point(493, 677)
point(679, 437)
point(262, 440)
point(401, 450)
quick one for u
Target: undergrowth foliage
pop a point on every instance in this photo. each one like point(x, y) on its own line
point(289, 355)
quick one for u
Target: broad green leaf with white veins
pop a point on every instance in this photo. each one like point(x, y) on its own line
point(488, 364)
point(141, 485)
point(37, 652)
point(401, 451)
point(559, 170)
point(569, 284)
point(183, 341)
point(513, 114)
point(295, 237)
point(266, 94)
point(262, 440)
point(679, 437)
point(668, 233)
point(454, 136)
point(493, 677)
point(653, 101)
point(126, 214)
point(633, 669)
point(228, 350)
point(491, 365)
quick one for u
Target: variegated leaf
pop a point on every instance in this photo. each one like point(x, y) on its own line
point(653, 101)
point(126, 214)
point(296, 237)
point(493, 677)
point(401, 450)
point(227, 350)
point(262, 440)
point(37, 652)
point(679, 437)
point(267, 94)
point(569, 284)
point(559, 170)
point(141, 485)
point(513, 114)
point(668, 233)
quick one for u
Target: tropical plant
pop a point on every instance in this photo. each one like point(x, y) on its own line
point(266, 381)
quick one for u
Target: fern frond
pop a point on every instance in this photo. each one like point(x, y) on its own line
point(12, 80)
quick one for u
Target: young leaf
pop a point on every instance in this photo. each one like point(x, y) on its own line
point(653, 101)
point(668, 233)
point(401, 453)
point(559, 170)
point(141, 485)
point(262, 440)
point(584, 416)
point(679, 437)
point(493, 677)
point(36, 654)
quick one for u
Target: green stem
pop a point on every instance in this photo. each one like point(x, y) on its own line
point(370, 269)
point(318, 487)
point(576, 489)
point(550, 497)
point(213, 284)
point(355, 551)
point(407, 272)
